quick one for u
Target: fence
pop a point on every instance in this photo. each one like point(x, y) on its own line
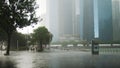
point(109, 49)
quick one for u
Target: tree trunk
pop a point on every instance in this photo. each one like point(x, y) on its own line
point(41, 47)
point(8, 44)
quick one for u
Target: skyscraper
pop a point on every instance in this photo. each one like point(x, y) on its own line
point(116, 19)
point(86, 20)
point(96, 20)
point(105, 26)
point(76, 14)
point(63, 20)
point(80, 19)
point(52, 18)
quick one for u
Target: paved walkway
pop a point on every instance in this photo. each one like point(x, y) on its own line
point(84, 60)
point(59, 59)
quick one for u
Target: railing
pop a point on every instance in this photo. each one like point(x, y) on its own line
point(109, 49)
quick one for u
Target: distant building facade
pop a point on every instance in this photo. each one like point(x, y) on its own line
point(116, 19)
point(105, 20)
point(52, 18)
point(96, 20)
point(81, 19)
point(86, 20)
point(63, 20)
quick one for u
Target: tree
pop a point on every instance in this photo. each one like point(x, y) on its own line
point(2, 35)
point(22, 41)
point(18, 41)
point(16, 14)
point(42, 36)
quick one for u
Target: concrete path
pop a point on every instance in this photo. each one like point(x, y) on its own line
point(59, 59)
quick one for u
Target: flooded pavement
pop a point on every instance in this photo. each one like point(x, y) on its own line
point(58, 59)
point(84, 60)
point(24, 59)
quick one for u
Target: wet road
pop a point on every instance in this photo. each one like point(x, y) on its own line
point(59, 59)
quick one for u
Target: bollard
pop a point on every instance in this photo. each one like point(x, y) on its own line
point(95, 48)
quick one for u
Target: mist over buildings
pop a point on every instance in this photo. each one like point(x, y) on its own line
point(83, 19)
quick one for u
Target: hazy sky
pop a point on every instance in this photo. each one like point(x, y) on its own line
point(40, 11)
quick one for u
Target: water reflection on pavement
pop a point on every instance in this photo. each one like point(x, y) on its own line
point(31, 60)
point(58, 59)
point(6, 63)
point(24, 59)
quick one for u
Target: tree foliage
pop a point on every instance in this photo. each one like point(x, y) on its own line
point(16, 13)
point(42, 36)
point(18, 39)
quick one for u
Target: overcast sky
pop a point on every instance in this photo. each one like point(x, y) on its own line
point(40, 11)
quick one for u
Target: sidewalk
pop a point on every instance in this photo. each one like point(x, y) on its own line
point(59, 59)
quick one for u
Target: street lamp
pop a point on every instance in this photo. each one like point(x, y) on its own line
point(17, 45)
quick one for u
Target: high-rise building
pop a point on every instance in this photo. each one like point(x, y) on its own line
point(80, 19)
point(96, 20)
point(105, 27)
point(76, 14)
point(52, 18)
point(63, 20)
point(86, 20)
point(116, 19)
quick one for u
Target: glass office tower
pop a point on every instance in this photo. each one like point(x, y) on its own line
point(105, 20)
point(116, 19)
point(96, 20)
point(86, 20)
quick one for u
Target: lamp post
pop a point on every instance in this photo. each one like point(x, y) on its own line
point(17, 45)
